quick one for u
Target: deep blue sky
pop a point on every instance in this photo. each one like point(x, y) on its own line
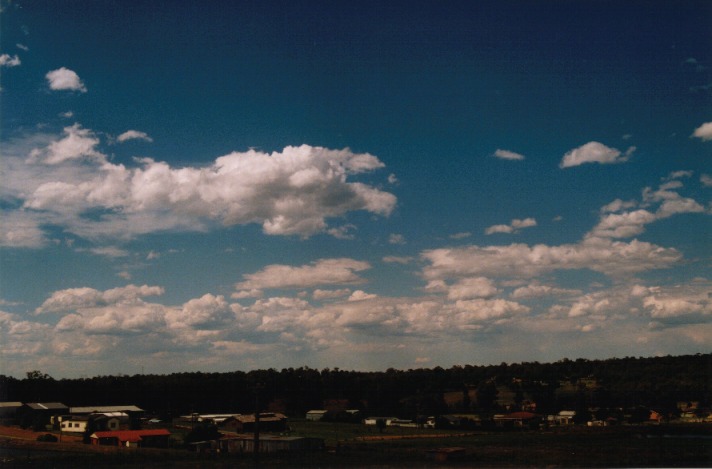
point(233, 185)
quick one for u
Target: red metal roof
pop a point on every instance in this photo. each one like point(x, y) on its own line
point(131, 435)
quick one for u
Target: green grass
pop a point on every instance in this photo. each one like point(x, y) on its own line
point(333, 432)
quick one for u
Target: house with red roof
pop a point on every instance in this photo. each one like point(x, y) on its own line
point(150, 438)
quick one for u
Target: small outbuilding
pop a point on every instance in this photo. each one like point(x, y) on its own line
point(316, 415)
point(8, 411)
point(39, 414)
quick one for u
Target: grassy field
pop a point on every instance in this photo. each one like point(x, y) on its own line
point(358, 446)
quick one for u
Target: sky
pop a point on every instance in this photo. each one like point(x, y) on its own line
point(219, 186)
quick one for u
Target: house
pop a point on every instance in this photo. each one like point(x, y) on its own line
point(76, 424)
point(374, 420)
point(516, 419)
point(105, 421)
point(565, 417)
point(403, 423)
point(39, 414)
point(269, 422)
point(154, 438)
point(217, 419)
point(316, 415)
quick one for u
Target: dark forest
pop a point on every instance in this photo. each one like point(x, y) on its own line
point(612, 384)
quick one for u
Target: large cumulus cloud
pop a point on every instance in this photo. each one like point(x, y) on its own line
point(292, 192)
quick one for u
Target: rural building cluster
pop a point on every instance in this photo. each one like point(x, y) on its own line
point(131, 426)
point(305, 410)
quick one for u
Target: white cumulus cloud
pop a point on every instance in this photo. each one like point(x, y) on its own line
point(594, 152)
point(321, 272)
point(514, 226)
point(293, 192)
point(703, 132)
point(65, 79)
point(508, 155)
point(133, 135)
point(7, 61)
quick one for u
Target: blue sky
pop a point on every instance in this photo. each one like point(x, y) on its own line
point(362, 185)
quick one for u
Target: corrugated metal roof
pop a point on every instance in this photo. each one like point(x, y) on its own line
point(264, 417)
point(46, 406)
point(100, 409)
point(10, 404)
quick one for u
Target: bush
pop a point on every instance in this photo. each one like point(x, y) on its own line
point(47, 437)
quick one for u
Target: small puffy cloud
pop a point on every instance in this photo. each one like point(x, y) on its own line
point(7, 61)
point(242, 294)
point(342, 232)
point(594, 152)
point(133, 135)
point(321, 272)
point(473, 287)
point(109, 251)
point(513, 227)
point(395, 238)
point(22, 46)
point(208, 310)
point(623, 225)
point(65, 79)
point(537, 290)
point(469, 312)
point(21, 229)
point(320, 294)
point(397, 259)
point(360, 295)
point(77, 143)
point(703, 132)
point(706, 180)
point(508, 155)
point(616, 222)
point(499, 229)
point(461, 235)
point(618, 205)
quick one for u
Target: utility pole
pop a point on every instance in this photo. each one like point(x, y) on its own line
point(256, 442)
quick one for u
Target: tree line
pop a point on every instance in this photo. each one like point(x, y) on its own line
point(623, 383)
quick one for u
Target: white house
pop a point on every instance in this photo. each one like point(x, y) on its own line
point(565, 417)
point(74, 425)
point(109, 421)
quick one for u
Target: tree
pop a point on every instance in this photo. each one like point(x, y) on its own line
point(37, 375)
point(202, 432)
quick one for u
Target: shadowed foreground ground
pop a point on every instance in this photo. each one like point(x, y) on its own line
point(672, 446)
